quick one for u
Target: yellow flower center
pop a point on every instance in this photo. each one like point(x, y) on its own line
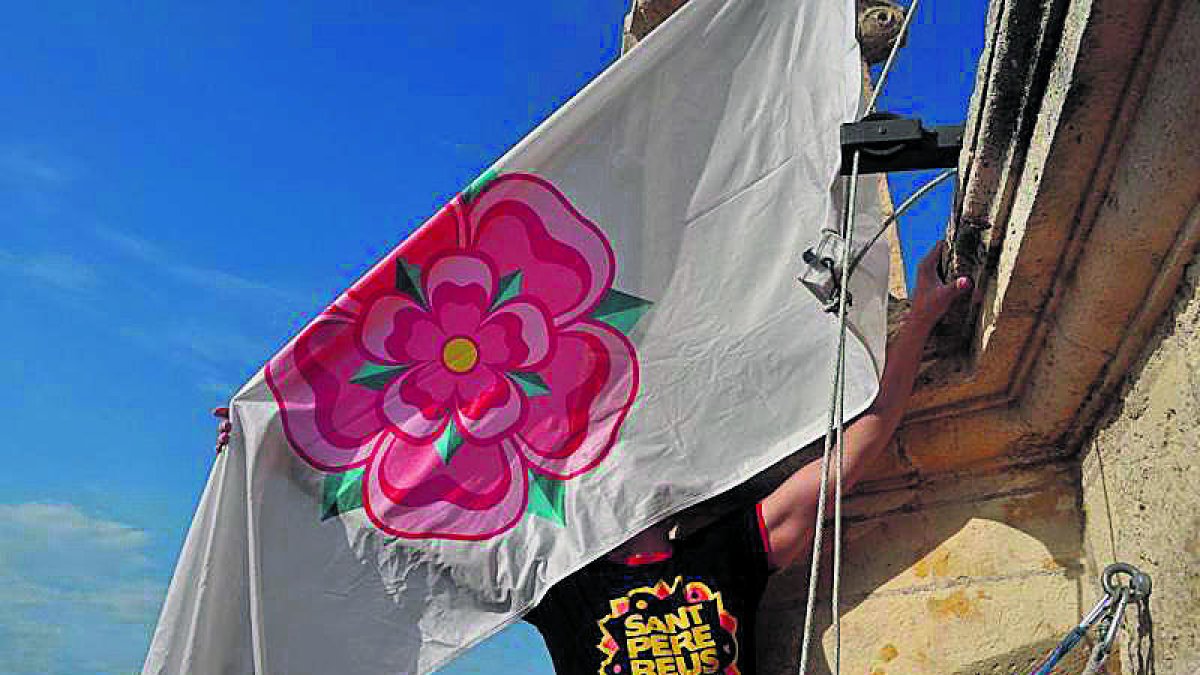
point(460, 355)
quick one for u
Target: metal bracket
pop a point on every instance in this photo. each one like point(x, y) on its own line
point(888, 142)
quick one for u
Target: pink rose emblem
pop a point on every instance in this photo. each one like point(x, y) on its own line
point(482, 361)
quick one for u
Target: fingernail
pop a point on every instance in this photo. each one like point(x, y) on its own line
point(963, 283)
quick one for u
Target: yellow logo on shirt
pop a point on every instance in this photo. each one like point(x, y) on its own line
point(676, 629)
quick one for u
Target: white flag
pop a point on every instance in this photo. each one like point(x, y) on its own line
point(602, 330)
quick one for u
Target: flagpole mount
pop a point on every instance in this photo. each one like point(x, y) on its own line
point(889, 142)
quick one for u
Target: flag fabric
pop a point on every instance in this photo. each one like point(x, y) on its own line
point(603, 329)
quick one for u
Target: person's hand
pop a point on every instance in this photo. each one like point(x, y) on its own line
point(932, 297)
point(223, 428)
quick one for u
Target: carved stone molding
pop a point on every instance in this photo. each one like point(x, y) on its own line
point(644, 16)
point(878, 24)
point(1078, 207)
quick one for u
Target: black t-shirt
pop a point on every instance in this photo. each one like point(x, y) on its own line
point(691, 613)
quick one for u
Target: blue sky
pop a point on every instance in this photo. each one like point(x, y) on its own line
point(183, 185)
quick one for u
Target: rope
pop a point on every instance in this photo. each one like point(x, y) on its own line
point(835, 430)
point(1075, 636)
point(1143, 651)
point(1095, 662)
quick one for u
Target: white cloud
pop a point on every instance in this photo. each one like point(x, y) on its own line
point(58, 270)
point(30, 167)
point(36, 176)
point(212, 348)
point(67, 522)
point(208, 347)
point(200, 276)
point(218, 388)
point(77, 593)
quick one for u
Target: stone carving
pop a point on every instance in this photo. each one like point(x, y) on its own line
point(645, 17)
point(878, 24)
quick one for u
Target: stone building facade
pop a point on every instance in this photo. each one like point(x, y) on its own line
point(1055, 425)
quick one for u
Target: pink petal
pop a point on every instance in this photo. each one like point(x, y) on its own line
point(516, 336)
point(397, 330)
point(445, 231)
point(459, 288)
point(489, 405)
point(418, 402)
point(522, 222)
point(330, 422)
point(409, 492)
point(593, 378)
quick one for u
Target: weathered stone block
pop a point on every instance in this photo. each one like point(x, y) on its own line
point(1140, 476)
point(946, 576)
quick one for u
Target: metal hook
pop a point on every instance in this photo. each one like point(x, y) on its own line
point(1114, 621)
point(1074, 637)
point(1108, 612)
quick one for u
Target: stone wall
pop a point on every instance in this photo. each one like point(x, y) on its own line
point(979, 574)
point(1141, 481)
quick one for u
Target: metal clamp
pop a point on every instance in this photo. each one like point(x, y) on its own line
point(822, 274)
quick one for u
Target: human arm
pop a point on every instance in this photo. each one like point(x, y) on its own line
point(788, 513)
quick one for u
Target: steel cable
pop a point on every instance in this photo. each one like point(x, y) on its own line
point(835, 430)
